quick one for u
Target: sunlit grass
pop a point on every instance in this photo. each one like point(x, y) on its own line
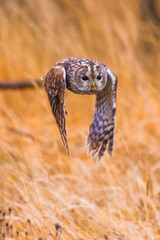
point(117, 198)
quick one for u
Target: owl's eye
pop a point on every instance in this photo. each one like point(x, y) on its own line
point(85, 78)
point(99, 77)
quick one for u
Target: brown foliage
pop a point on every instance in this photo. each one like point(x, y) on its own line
point(118, 198)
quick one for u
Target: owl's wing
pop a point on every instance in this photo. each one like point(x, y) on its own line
point(101, 130)
point(55, 85)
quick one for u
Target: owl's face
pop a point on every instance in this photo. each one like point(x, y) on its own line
point(92, 78)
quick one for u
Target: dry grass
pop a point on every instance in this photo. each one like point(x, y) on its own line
point(118, 198)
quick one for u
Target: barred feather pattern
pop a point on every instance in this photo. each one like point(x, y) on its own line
point(84, 76)
point(101, 130)
point(55, 85)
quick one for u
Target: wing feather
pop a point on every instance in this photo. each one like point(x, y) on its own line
point(101, 130)
point(55, 86)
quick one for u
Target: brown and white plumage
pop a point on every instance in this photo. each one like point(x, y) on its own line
point(84, 76)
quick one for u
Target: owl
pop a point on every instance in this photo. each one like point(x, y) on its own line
point(84, 76)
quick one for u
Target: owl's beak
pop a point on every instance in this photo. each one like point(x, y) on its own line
point(93, 86)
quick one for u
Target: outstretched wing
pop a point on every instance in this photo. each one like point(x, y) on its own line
point(55, 85)
point(101, 130)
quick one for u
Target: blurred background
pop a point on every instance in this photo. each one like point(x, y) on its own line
point(119, 197)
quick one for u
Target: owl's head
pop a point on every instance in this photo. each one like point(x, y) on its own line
point(91, 77)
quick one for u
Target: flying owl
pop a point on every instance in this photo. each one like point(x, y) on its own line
point(84, 76)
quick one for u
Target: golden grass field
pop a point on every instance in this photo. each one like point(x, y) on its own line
point(118, 198)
